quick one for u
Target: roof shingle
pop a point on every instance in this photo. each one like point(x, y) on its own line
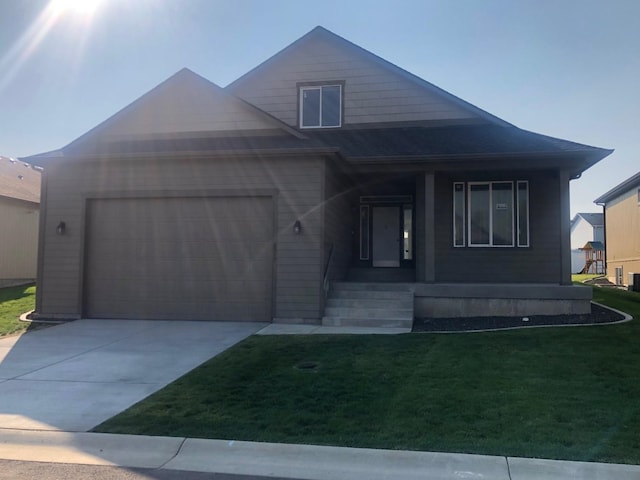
point(19, 180)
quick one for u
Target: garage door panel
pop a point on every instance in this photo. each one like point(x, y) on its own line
point(179, 258)
point(239, 311)
point(198, 271)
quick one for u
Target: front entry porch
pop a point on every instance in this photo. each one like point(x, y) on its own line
point(380, 304)
point(384, 230)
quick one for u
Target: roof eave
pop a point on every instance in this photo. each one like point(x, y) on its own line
point(473, 156)
point(619, 189)
point(266, 152)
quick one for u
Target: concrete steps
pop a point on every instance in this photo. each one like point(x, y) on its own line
point(369, 305)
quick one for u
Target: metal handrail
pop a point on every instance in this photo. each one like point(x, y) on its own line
point(325, 281)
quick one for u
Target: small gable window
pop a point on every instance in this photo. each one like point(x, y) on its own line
point(321, 106)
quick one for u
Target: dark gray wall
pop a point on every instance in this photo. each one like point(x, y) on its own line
point(338, 219)
point(539, 263)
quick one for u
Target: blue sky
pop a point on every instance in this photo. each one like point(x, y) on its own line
point(565, 68)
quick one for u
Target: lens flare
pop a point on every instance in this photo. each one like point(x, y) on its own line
point(80, 7)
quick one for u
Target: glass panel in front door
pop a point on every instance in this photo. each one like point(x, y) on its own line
point(407, 232)
point(386, 236)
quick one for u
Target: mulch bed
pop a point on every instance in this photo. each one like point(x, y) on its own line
point(598, 315)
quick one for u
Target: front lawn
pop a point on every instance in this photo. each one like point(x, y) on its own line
point(564, 393)
point(581, 277)
point(14, 301)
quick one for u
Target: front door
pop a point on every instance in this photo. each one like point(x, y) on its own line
point(386, 236)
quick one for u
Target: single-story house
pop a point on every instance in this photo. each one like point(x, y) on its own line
point(325, 185)
point(622, 229)
point(585, 227)
point(19, 212)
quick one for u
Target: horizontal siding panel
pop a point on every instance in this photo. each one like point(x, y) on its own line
point(297, 182)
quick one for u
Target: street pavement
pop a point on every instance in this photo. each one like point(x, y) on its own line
point(16, 470)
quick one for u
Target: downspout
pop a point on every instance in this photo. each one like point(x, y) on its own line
point(604, 227)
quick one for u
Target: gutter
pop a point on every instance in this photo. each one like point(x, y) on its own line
point(279, 152)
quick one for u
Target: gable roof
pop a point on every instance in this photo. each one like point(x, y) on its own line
point(592, 245)
point(19, 180)
point(320, 32)
point(188, 114)
point(593, 219)
point(624, 187)
point(186, 104)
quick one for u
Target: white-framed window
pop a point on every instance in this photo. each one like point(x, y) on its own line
point(321, 106)
point(458, 214)
point(491, 214)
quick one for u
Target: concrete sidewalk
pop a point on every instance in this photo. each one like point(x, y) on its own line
point(289, 461)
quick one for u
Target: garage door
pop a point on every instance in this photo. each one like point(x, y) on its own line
point(179, 258)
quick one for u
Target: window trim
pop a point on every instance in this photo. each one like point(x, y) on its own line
point(319, 86)
point(464, 216)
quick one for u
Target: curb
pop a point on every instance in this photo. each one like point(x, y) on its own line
point(309, 462)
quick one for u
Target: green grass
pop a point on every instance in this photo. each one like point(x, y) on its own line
point(581, 277)
point(14, 301)
point(563, 393)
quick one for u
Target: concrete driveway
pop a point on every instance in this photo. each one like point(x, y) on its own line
point(74, 376)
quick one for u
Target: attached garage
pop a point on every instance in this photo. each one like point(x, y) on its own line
point(179, 258)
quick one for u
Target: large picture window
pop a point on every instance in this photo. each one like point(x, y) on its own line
point(491, 214)
point(321, 106)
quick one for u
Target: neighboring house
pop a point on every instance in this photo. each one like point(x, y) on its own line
point(323, 164)
point(19, 212)
point(585, 227)
point(622, 225)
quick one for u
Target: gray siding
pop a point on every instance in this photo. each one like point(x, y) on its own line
point(295, 183)
point(372, 92)
point(539, 263)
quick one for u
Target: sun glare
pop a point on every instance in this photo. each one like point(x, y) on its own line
point(80, 7)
